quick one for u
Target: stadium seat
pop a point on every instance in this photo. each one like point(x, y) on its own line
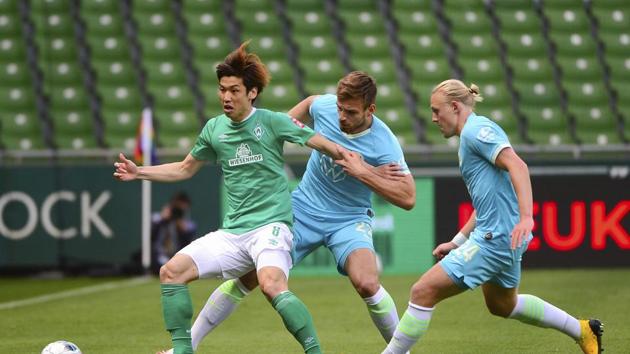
point(382, 70)
point(389, 95)
point(280, 97)
point(53, 24)
point(21, 130)
point(422, 45)
point(267, 47)
point(14, 73)
point(104, 24)
point(202, 5)
point(50, 6)
point(546, 124)
point(162, 6)
point(469, 21)
point(160, 48)
point(415, 21)
point(619, 68)
point(309, 22)
point(411, 5)
point(482, 70)
point(525, 44)
point(111, 48)
point(281, 71)
point(99, 6)
point(210, 47)
point(155, 23)
point(368, 46)
point(573, 44)
point(74, 129)
point(362, 21)
point(429, 70)
point(502, 115)
point(10, 25)
point(67, 97)
point(517, 20)
point(63, 74)
point(172, 97)
point(16, 98)
point(177, 122)
point(494, 93)
point(304, 5)
point(321, 71)
point(586, 93)
point(249, 6)
point(114, 72)
point(316, 46)
point(543, 93)
point(526, 69)
point(164, 72)
point(475, 45)
point(612, 20)
point(580, 68)
point(121, 97)
point(121, 128)
point(57, 49)
point(568, 20)
point(260, 22)
point(617, 44)
point(205, 23)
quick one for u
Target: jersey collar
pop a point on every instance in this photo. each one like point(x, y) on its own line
point(357, 135)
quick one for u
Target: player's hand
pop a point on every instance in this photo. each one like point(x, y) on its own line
point(443, 249)
point(352, 162)
point(390, 171)
point(126, 170)
point(521, 232)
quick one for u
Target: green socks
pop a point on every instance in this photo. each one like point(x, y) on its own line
point(178, 312)
point(297, 320)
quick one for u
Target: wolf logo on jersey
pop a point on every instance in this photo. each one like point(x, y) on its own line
point(331, 169)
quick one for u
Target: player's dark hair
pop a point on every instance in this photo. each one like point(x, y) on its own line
point(246, 66)
point(357, 84)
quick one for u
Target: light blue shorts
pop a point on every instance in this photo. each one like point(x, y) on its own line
point(341, 234)
point(471, 265)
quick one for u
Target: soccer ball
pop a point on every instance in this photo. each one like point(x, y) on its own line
point(61, 347)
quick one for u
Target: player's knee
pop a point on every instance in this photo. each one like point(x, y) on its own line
point(272, 287)
point(168, 274)
point(367, 286)
point(422, 294)
point(499, 309)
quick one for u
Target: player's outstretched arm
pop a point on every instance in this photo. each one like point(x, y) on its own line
point(519, 174)
point(301, 110)
point(126, 170)
point(400, 192)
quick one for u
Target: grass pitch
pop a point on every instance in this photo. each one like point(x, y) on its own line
point(118, 316)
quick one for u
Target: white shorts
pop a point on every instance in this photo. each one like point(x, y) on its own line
point(220, 254)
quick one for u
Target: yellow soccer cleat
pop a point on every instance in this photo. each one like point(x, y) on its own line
point(591, 338)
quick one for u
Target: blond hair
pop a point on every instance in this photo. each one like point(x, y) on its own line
point(456, 90)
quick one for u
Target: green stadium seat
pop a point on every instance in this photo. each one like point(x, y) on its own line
point(459, 5)
point(123, 97)
point(574, 44)
point(67, 97)
point(469, 21)
point(423, 90)
point(364, 21)
point(21, 130)
point(525, 44)
point(14, 73)
point(585, 68)
point(494, 93)
point(8, 6)
point(100, 6)
point(324, 70)
point(429, 70)
point(212, 107)
point(604, 137)
point(316, 46)
point(304, 5)
point(280, 97)
point(569, 20)
point(415, 21)
point(612, 20)
point(547, 125)
point(112, 48)
point(63, 74)
point(397, 119)
point(357, 5)
point(182, 142)
point(50, 6)
point(104, 24)
point(114, 72)
point(389, 95)
point(368, 46)
point(320, 87)
point(260, 22)
point(619, 67)
point(267, 47)
point(406, 138)
point(595, 117)
point(281, 71)
point(155, 23)
point(422, 45)
point(527, 69)
point(503, 116)
point(309, 22)
point(250, 6)
point(12, 49)
point(434, 137)
point(73, 129)
point(518, 20)
point(120, 128)
point(164, 72)
point(410, 5)
point(10, 25)
point(173, 97)
point(163, 6)
point(177, 122)
point(479, 70)
point(382, 70)
point(160, 48)
point(58, 49)
point(54, 24)
point(205, 23)
point(543, 93)
point(616, 44)
point(475, 45)
point(213, 48)
point(586, 93)
point(17, 98)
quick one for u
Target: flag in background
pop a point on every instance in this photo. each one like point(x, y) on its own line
point(145, 152)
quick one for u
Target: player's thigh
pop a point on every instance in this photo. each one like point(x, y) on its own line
point(361, 268)
point(308, 235)
point(499, 300)
point(218, 255)
point(349, 238)
point(470, 265)
point(180, 269)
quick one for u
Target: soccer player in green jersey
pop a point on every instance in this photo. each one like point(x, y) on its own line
point(256, 232)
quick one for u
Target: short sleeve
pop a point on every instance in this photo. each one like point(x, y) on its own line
point(488, 141)
point(290, 129)
point(203, 150)
point(392, 152)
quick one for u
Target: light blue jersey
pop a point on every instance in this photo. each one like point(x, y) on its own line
point(490, 187)
point(487, 255)
point(325, 188)
point(333, 209)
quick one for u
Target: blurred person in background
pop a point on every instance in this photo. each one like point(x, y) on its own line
point(171, 229)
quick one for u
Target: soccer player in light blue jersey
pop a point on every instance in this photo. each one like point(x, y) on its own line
point(332, 204)
point(487, 251)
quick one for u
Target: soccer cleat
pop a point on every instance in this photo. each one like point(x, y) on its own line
point(591, 337)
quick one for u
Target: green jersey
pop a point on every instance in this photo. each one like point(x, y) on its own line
point(250, 155)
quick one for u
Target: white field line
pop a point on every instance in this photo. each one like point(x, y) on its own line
point(74, 292)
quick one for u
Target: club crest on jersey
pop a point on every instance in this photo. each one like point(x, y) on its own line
point(297, 122)
point(486, 134)
point(244, 156)
point(330, 168)
point(258, 131)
